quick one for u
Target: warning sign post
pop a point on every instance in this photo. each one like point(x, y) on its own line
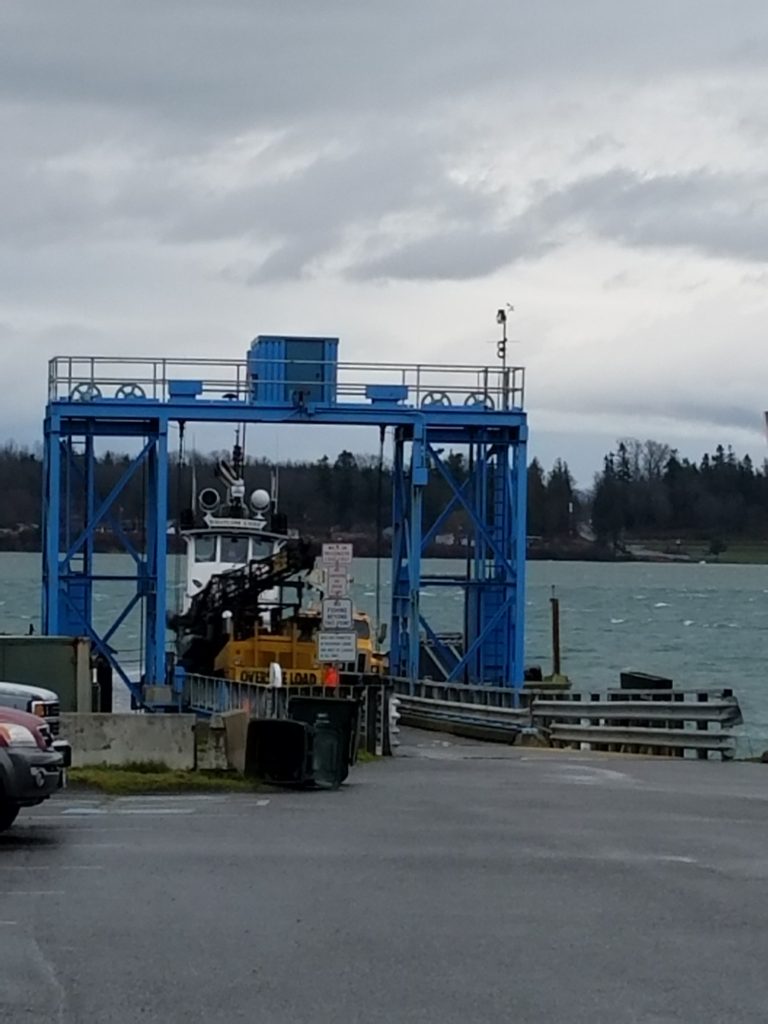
point(337, 613)
point(337, 641)
point(336, 647)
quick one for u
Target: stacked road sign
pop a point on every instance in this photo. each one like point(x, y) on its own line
point(337, 641)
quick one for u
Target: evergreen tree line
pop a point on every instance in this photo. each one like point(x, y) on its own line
point(647, 489)
point(643, 489)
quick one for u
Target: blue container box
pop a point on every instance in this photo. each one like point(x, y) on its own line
point(293, 371)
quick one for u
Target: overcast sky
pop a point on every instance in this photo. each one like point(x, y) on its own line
point(177, 176)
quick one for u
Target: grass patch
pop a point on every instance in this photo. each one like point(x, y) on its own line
point(154, 777)
point(363, 757)
point(738, 551)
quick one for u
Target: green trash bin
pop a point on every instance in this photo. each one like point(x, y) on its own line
point(330, 761)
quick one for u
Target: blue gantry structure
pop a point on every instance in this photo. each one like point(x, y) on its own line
point(430, 410)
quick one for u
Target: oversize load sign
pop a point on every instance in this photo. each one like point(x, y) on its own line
point(340, 647)
point(337, 613)
point(337, 554)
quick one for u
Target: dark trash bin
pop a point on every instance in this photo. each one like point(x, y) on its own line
point(342, 713)
point(280, 751)
point(330, 754)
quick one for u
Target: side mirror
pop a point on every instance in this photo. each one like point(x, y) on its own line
point(381, 636)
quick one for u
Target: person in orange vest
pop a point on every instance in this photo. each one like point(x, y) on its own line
point(331, 676)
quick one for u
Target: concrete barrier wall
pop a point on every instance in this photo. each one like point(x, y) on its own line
point(236, 733)
point(117, 739)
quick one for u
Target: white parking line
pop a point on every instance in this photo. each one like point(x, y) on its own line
point(51, 867)
point(96, 846)
point(156, 810)
point(77, 828)
point(166, 797)
point(89, 811)
point(31, 892)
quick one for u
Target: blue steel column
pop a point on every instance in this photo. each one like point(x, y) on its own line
point(503, 571)
point(520, 535)
point(418, 481)
point(157, 547)
point(399, 597)
point(51, 523)
point(89, 516)
point(480, 561)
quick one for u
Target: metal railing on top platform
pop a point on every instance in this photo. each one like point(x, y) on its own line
point(89, 378)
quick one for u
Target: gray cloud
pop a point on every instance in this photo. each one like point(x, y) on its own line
point(398, 171)
point(361, 101)
point(456, 254)
point(719, 215)
point(236, 62)
point(723, 216)
point(452, 231)
point(169, 167)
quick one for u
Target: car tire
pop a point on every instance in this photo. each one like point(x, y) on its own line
point(8, 813)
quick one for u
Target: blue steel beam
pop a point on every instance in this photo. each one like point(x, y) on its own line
point(157, 557)
point(109, 416)
point(110, 518)
point(106, 504)
point(69, 578)
point(400, 551)
point(431, 533)
point(51, 522)
point(477, 641)
point(475, 515)
point(519, 485)
point(419, 476)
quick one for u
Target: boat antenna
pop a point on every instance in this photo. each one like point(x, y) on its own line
point(237, 455)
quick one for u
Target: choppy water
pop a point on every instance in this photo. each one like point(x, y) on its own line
point(704, 625)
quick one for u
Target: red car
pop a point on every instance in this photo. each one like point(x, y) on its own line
point(30, 768)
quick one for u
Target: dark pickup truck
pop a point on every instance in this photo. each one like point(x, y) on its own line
point(31, 769)
point(43, 704)
point(37, 700)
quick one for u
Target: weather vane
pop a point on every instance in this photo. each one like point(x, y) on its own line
point(501, 345)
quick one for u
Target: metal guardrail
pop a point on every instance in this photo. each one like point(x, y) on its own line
point(207, 695)
point(89, 378)
point(668, 722)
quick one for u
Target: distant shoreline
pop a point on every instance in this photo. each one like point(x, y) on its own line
point(639, 552)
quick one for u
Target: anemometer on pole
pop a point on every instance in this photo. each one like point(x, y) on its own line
point(501, 352)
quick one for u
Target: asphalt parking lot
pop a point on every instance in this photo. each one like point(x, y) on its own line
point(454, 883)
